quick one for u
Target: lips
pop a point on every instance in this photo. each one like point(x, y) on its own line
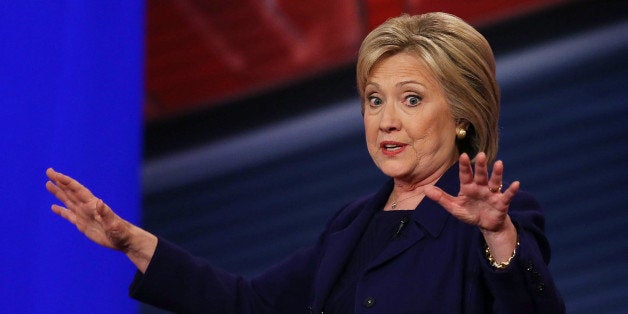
point(390, 148)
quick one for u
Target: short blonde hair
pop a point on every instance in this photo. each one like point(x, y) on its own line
point(460, 58)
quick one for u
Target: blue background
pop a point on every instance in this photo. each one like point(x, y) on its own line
point(71, 95)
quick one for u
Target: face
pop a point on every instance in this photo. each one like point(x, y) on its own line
point(410, 132)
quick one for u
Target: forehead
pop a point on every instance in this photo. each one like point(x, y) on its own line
point(400, 67)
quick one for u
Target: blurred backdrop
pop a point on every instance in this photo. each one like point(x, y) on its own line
point(254, 134)
point(247, 135)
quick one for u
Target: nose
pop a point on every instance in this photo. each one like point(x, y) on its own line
point(389, 119)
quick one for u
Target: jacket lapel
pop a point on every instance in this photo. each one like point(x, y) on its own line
point(428, 218)
point(340, 245)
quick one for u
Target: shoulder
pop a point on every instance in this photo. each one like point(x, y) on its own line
point(362, 205)
point(525, 200)
point(526, 210)
point(346, 214)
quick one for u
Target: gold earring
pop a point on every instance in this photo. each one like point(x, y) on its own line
point(461, 133)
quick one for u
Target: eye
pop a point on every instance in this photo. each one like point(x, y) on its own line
point(375, 101)
point(413, 100)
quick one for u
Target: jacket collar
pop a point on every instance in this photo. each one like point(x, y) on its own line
point(340, 244)
point(429, 217)
point(429, 214)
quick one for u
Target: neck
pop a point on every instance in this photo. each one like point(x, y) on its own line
point(414, 183)
point(407, 203)
point(407, 194)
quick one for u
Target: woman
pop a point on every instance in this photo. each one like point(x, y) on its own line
point(430, 103)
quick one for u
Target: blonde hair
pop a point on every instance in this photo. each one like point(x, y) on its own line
point(459, 57)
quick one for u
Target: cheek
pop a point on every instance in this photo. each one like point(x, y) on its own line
point(433, 132)
point(370, 129)
point(445, 135)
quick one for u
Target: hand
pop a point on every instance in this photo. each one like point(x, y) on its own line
point(481, 203)
point(98, 222)
point(88, 213)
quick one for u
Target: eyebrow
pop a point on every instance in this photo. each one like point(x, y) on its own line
point(402, 83)
point(410, 82)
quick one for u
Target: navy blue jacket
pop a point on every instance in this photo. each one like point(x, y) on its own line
point(436, 266)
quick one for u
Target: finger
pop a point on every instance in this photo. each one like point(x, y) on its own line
point(81, 193)
point(439, 196)
point(65, 213)
point(495, 183)
point(59, 194)
point(75, 190)
point(465, 171)
point(115, 228)
point(510, 192)
point(57, 177)
point(481, 170)
point(51, 173)
point(433, 193)
point(448, 202)
point(104, 212)
point(61, 181)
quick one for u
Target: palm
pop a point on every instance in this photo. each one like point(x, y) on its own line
point(476, 204)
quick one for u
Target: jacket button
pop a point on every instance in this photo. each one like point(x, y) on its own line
point(529, 266)
point(540, 287)
point(369, 302)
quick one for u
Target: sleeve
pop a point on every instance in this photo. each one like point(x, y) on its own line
point(526, 286)
point(177, 281)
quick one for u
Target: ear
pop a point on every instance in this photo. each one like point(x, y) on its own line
point(461, 129)
point(462, 124)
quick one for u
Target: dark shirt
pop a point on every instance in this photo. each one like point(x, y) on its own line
point(384, 227)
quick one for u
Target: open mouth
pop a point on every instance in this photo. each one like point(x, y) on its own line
point(392, 148)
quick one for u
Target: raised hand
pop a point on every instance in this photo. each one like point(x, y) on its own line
point(88, 213)
point(482, 203)
point(97, 221)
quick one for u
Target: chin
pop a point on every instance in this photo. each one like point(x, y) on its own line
point(396, 168)
point(395, 172)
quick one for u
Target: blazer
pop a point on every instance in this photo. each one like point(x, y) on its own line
point(437, 265)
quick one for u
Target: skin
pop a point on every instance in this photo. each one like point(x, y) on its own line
point(405, 108)
point(410, 135)
point(98, 222)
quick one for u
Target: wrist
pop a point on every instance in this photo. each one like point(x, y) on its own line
point(141, 248)
point(501, 245)
point(497, 264)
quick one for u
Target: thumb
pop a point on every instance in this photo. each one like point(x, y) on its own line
point(442, 198)
point(104, 213)
point(116, 229)
point(434, 193)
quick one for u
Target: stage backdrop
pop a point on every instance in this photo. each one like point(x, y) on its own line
point(70, 98)
point(246, 202)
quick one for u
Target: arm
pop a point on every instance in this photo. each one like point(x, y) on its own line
point(180, 282)
point(506, 223)
point(171, 278)
point(527, 283)
point(98, 222)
